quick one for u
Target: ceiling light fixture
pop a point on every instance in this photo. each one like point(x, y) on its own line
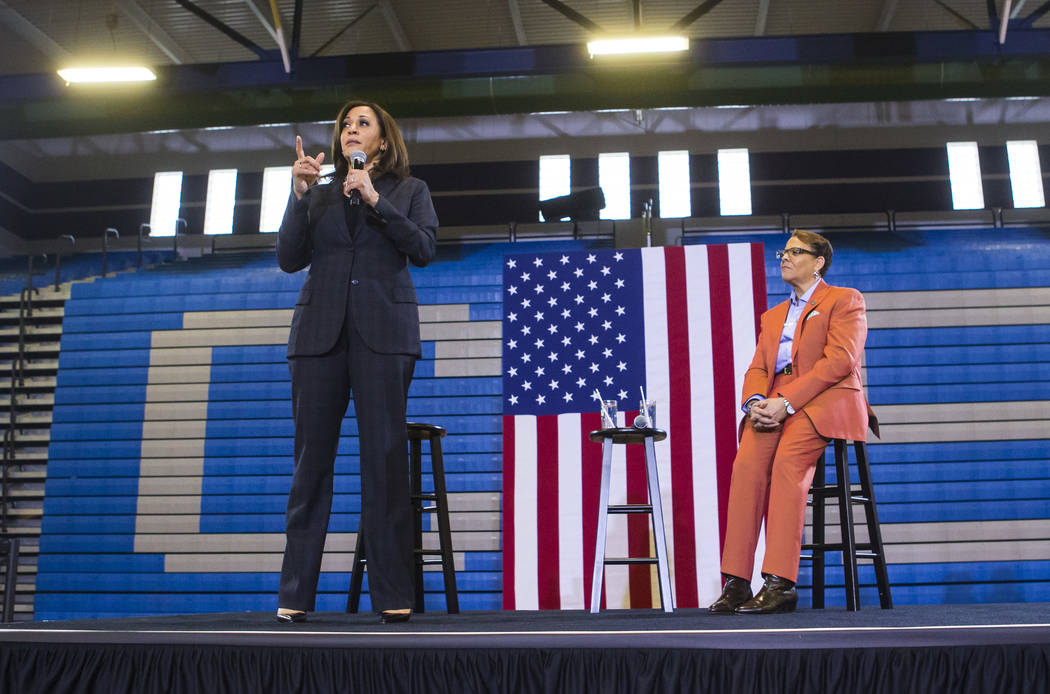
point(96, 75)
point(635, 45)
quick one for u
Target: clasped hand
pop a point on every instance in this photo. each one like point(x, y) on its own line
point(768, 414)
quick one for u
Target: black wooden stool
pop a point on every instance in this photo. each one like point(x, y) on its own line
point(417, 433)
point(9, 547)
point(851, 550)
point(647, 437)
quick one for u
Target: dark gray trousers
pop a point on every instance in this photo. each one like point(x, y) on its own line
point(321, 388)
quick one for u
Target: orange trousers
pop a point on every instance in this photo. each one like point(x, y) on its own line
point(772, 470)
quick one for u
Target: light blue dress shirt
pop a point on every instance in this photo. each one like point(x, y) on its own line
point(795, 306)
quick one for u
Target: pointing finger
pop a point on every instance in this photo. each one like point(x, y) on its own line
point(298, 147)
point(320, 158)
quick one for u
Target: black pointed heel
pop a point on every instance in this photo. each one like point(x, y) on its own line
point(290, 618)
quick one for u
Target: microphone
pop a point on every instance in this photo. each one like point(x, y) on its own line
point(357, 162)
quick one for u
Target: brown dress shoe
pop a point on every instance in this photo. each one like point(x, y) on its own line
point(735, 592)
point(777, 595)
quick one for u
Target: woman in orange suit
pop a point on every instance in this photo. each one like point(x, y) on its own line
point(802, 389)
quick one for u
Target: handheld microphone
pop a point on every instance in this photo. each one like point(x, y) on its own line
point(357, 163)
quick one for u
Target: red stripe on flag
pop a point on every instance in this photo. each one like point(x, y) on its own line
point(758, 284)
point(725, 395)
point(679, 414)
point(590, 482)
point(508, 512)
point(640, 575)
point(548, 563)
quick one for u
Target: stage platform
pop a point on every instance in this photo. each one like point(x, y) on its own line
point(951, 648)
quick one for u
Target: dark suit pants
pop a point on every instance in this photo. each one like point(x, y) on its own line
point(321, 387)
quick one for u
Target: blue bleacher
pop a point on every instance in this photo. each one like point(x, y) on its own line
point(14, 270)
point(88, 567)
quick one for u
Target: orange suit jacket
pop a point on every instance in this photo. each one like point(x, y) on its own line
point(825, 359)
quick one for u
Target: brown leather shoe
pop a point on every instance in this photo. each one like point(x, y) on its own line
point(735, 592)
point(777, 595)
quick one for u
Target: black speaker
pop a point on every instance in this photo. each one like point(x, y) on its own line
point(582, 206)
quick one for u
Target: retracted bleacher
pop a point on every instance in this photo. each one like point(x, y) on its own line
point(171, 445)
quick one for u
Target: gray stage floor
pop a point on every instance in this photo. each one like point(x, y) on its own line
point(918, 626)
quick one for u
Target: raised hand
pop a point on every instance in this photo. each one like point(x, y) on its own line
point(305, 170)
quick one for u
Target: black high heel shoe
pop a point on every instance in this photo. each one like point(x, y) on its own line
point(290, 618)
point(387, 617)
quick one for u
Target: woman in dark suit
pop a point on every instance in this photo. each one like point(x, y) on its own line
point(355, 331)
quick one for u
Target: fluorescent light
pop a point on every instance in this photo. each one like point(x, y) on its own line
point(964, 174)
point(106, 74)
point(649, 44)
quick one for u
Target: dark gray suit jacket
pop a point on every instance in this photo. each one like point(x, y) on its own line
point(369, 265)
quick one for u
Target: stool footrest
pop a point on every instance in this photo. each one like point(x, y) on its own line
point(424, 497)
point(631, 560)
point(429, 552)
point(631, 508)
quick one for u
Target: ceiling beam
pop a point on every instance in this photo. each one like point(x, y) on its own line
point(515, 19)
point(28, 31)
point(572, 15)
point(224, 28)
point(637, 8)
point(275, 31)
point(698, 12)
point(297, 26)
point(762, 17)
point(262, 19)
point(834, 68)
point(1004, 23)
point(948, 8)
point(1031, 19)
point(395, 26)
point(993, 15)
point(153, 31)
point(342, 31)
point(889, 10)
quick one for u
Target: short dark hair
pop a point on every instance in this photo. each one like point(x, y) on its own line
point(394, 160)
point(819, 244)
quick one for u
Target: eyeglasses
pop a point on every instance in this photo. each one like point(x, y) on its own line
point(796, 251)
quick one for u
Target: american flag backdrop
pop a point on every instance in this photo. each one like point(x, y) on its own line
point(680, 322)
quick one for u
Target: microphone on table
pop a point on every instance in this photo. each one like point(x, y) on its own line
point(357, 163)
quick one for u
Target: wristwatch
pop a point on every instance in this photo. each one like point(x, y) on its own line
point(787, 406)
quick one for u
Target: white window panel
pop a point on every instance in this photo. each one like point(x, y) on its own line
point(222, 196)
point(1026, 175)
point(614, 178)
point(555, 170)
point(276, 187)
point(167, 199)
point(675, 192)
point(734, 182)
point(964, 173)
